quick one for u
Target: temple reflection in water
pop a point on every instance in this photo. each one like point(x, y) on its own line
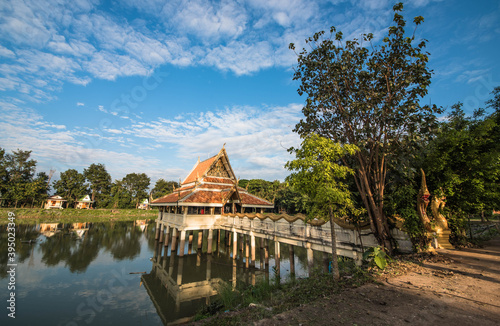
point(180, 286)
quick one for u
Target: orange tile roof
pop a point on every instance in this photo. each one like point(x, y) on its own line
point(171, 198)
point(247, 199)
point(212, 186)
point(202, 196)
point(218, 180)
point(199, 170)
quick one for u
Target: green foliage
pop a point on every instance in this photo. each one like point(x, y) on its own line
point(18, 183)
point(376, 256)
point(100, 183)
point(463, 159)
point(368, 96)
point(319, 176)
point(71, 186)
point(163, 188)
point(137, 185)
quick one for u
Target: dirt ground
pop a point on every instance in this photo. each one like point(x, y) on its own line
point(454, 287)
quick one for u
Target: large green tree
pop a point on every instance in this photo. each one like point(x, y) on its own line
point(71, 186)
point(318, 174)
point(19, 184)
point(163, 188)
point(367, 95)
point(100, 182)
point(464, 160)
point(137, 185)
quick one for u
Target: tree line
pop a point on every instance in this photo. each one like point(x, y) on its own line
point(21, 187)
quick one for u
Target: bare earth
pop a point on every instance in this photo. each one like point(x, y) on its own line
point(455, 287)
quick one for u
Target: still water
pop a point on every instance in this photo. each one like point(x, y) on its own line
point(116, 274)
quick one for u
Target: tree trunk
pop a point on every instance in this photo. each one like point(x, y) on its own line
point(335, 262)
point(374, 208)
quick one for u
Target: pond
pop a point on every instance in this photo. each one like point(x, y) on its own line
point(116, 273)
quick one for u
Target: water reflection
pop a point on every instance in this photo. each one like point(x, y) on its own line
point(61, 267)
point(180, 286)
point(75, 245)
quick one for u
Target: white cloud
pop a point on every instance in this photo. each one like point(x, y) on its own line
point(256, 138)
point(80, 104)
point(54, 146)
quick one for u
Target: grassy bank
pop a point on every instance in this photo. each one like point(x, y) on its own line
point(249, 303)
point(70, 215)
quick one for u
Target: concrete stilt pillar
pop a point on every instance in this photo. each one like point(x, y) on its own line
point(189, 235)
point(173, 247)
point(292, 259)
point(167, 236)
point(234, 274)
point(277, 257)
point(157, 234)
point(247, 250)
point(182, 243)
point(179, 270)
point(242, 238)
point(162, 229)
point(210, 241)
point(310, 258)
point(235, 244)
point(200, 239)
point(266, 252)
point(252, 248)
point(261, 253)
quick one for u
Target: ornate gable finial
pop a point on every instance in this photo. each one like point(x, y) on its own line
point(224, 146)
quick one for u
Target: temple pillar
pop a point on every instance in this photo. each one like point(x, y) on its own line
point(200, 239)
point(235, 244)
point(210, 241)
point(310, 258)
point(167, 235)
point(173, 247)
point(162, 229)
point(247, 251)
point(252, 248)
point(277, 256)
point(182, 243)
point(157, 234)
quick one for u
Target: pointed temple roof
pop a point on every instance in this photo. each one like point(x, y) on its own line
point(211, 182)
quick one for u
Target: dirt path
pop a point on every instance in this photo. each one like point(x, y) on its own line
point(456, 287)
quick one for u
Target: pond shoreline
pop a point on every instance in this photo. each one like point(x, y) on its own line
point(68, 215)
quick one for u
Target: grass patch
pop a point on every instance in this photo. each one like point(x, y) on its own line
point(71, 215)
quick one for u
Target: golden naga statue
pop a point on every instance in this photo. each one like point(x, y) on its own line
point(440, 227)
point(423, 202)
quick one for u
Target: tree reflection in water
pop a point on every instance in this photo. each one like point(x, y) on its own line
point(72, 245)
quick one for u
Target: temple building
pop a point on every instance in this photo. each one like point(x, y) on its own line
point(211, 188)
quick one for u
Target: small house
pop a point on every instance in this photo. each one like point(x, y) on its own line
point(144, 204)
point(55, 202)
point(84, 203)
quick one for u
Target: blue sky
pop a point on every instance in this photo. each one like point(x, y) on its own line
point(150, 86)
